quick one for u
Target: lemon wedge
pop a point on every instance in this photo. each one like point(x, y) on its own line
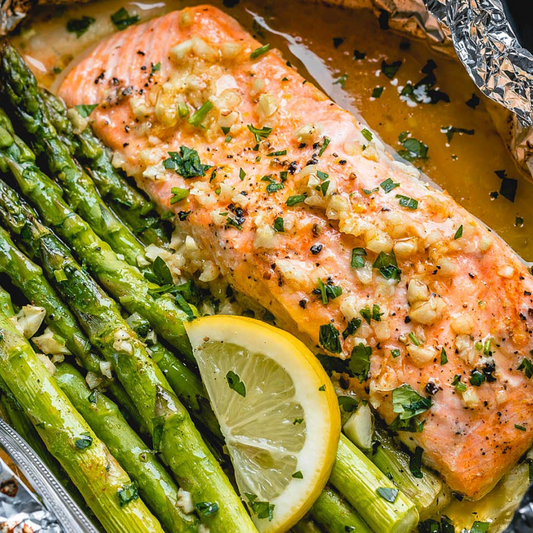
point(277, 410)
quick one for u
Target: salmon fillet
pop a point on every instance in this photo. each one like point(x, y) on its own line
point(300, 208)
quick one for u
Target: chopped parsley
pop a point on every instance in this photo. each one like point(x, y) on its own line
point(358, 258)
point(407, 403)
point(274, 187)
point(127, 494)
point(259, 134)
point(207, 508)
point(405, 201)
point(367, 134)
point(85, 110)
point(459, 233)
point(377, 92)
point(178, 194)
point(415, 463)
point(92, 397)
point(359, 363)
point(388, 185)
point(357, 55)
point(325, 144)
point(520, 428)
point(341, 80)
point(322, 388)
point(297, 421)
point(526, 366)
point(508, 187)
point(156, 67)
point(122, 19)
point(388, 494)
point(395, 353)
point(242, 174)
point(278, 153)
point(260, 509)
point(353, 325)
point(279, 225)
point(296, 199)
point(473, 102)
point(80, 26)
point(186, 163)
point(298, 475)
point(477, 378)
point(348, 403)
point(387, 266)
point(479, 527)
point(83, 442)
point(450, 131)
point(413, 149)
point(160, 273)
point(185, 307)
point(199, 115)
point(390, 69)
point(329, 338)
point(458, 384)
point(368, 192)
point(235, 383)
point(369, 315)
point(328, 291)
point(443, 357)
point(260, 51)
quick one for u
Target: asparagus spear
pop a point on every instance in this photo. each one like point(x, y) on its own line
point(155, 485)
point(133, 208)
point(306, 525)
point(165, 417)
point(381, 505)
point(20, 88)
point(335, 515)
point(29, 278)
point(427, 492)
point(106, 488)
point(121, 280)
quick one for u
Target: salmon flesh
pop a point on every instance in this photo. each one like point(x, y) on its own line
point(300, 207)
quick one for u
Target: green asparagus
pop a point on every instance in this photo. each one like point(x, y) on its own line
point(306, 525)
point(155, 485)
point(29, 278)
point(124, 282)
point(334, 514)
point(20, 88)
point(381, 505)
point(106, 488)
point(133, 208)
point(165, 417)
point(427, 492)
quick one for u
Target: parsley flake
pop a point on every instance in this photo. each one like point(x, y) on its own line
point(260, 51)
point(178, 194)
point(80, 26)
point(85, 110)
point(199, 115)
point(329, 338)
point(186, 163)
point(235, 383)
point(122, 19)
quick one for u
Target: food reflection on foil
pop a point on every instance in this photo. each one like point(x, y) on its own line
point(20, 510)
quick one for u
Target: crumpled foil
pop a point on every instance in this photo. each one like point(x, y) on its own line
point(20, 510)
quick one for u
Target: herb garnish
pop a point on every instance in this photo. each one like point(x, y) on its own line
point(359, 363)
point(325, 144)
point(122, 19)
point(207, 508)
point(358, 258)
point(260, 51)
point(388, 494)
point(391, 69)
point(341, 80)
point(85, 110)
point(186, 163)
point(178, 194)
point(451, 130)
point(199, 115)
point(388, 185)
point(413, 148)
point(259, 134)
point(84, 441)
point(395, 353)
point(406, 201)
point(477, 378)
point(353, 325)
point(369, 315)
point(459, 233)
point(443, 357)
point(329, 338)
point(261, 509)
point(415, 463)
point(160, 274)
point(367, 134)
point(279, 225)
point(388, 266)
point(235, 383)
point(509, 185)
point(459, 386)
point(127, 494)
point(376, 92)
point(80, 26)
point(408, 403)
point(348, 403)
point(296, 199)
point(298, 475)
point(328, 291)
point(526, 366)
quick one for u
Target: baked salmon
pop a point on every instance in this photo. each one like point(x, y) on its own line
point(299, 207)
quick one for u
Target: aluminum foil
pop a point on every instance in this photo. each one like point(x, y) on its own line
point(20, 510)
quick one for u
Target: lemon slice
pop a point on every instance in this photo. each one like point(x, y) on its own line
point(277, 410)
